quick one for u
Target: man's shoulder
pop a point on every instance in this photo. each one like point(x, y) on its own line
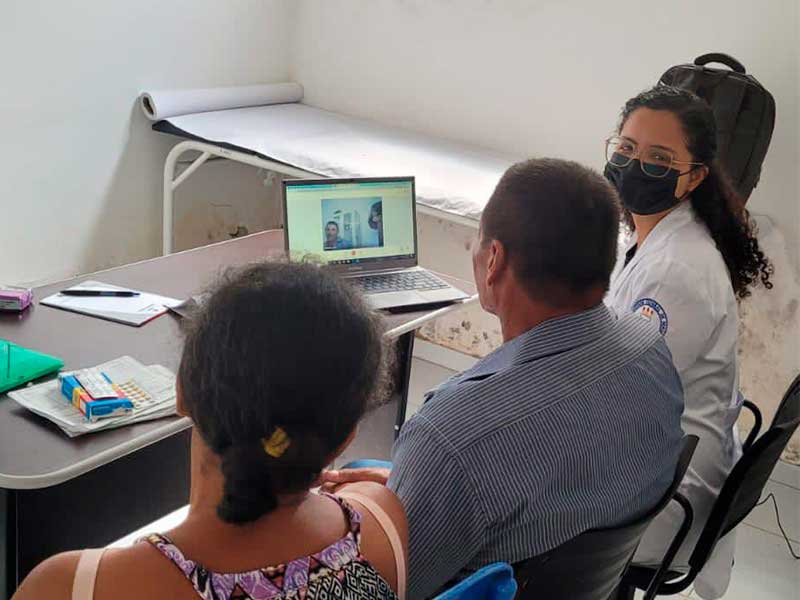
point(472, 409)
point(634, 334)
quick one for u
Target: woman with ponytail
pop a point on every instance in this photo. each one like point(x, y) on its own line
point(692, 255)
point(271, 405)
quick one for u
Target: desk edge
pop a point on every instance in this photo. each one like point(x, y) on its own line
point(436, 314)
point(32, 482)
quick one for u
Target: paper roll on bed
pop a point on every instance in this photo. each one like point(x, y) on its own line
point(163, 104)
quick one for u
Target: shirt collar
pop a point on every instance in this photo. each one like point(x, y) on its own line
point(550, 337)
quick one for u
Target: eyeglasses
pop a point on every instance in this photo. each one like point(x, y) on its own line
point(655, 162)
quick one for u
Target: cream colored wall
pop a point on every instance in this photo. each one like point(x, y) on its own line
point(446, 247)
point(222, 200)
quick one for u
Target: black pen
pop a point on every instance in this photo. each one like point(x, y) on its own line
point(104, 293)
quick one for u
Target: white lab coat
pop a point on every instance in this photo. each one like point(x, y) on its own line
point(678, 279)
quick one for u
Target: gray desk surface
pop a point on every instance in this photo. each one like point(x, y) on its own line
point(33, 452)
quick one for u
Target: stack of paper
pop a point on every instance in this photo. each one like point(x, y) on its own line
point(156, 381)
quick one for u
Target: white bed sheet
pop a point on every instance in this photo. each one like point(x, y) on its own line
point(452, 177)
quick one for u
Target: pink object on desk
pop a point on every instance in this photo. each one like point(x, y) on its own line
point(14, 298)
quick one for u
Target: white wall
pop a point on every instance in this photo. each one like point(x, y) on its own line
point(80, 169)
point(543, 77)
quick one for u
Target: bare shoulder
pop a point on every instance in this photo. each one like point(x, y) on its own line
point(50, 579)
point(384, 498)
point(375, 543)
point(139, 571)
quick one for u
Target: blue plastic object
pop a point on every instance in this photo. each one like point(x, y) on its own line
point(368, 463)
point(492, 582)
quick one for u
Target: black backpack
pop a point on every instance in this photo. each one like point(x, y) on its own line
point(744, 111)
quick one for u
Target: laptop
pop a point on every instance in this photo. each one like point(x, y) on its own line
point(366, 231)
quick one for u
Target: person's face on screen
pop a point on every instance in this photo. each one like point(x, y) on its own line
point(331, 232)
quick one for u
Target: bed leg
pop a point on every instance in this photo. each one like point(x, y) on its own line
point(171, 182)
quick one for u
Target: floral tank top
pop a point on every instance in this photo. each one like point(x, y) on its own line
point(336, 572)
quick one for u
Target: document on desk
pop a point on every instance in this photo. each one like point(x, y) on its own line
point(157, 381)
point(133, 310)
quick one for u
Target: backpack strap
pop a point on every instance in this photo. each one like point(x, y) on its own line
point(389, 529)
point(86, 574)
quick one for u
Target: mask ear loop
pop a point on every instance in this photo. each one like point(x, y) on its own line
point(694, 168)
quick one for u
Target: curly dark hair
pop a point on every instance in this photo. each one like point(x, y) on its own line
point(278, 345)
point(715, 200)
point(376, 208)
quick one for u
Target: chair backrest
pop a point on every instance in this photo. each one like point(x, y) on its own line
point(742, 489)
point(492, 582)
point(590, 566)
point(789, 408)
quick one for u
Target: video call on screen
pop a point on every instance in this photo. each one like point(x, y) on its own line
point(350, 222)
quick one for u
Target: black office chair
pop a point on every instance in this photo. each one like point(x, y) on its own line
point(740, 493)
point(788, 411)
point(590, 566)
point(789, 408)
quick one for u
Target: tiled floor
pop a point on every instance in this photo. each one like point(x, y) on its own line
point(764, 568)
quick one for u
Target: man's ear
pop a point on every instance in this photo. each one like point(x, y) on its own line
point(497, 262)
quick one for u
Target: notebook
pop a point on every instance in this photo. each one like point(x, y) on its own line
point(135, 310)
point(19, 365)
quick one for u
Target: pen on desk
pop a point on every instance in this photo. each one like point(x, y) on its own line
point(108, 293)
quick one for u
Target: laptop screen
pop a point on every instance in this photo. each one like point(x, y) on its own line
point(350, 222)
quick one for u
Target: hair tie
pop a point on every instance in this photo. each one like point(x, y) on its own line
point(277, 443)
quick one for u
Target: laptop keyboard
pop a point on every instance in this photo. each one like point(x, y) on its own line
point(399, 282)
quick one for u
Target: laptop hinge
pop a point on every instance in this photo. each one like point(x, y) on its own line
point(382, 272)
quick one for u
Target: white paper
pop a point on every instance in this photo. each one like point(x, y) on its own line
point(46, 400)
point(134, 310)
point(163, 104)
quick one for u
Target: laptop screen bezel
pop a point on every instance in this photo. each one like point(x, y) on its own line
point(379, 264)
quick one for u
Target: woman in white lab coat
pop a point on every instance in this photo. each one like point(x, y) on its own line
point(692, 254)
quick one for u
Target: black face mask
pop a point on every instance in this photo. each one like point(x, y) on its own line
point(642, 194)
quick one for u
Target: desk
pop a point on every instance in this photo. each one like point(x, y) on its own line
point(50, 484)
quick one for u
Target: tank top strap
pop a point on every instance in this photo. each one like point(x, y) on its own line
point(352, 515)
point(165, 546)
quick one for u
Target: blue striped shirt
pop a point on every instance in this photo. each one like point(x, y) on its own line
point(574, 425)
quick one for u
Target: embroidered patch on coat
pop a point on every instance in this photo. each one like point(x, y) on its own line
point(649, 308)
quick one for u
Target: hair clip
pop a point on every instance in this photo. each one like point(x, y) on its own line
point(277, 443)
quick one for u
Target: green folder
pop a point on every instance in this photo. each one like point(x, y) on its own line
point(19, 365)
